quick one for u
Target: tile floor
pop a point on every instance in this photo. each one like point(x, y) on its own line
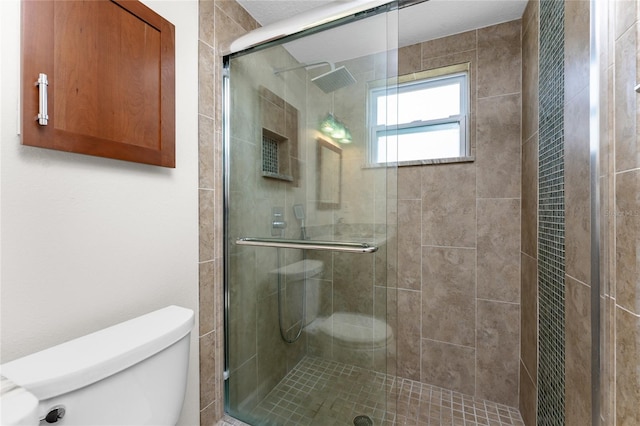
point(319, 392)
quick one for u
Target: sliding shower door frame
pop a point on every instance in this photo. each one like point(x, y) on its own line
point(227, 166)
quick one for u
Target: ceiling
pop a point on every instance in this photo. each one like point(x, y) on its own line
point(423, 21)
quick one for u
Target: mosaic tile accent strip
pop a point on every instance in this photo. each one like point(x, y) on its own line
point(269, 155)
point(551, 254)
point(321, 393)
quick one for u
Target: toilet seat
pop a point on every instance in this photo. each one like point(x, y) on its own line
point(356, 331)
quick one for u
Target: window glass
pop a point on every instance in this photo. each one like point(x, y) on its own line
point(421, 119)
point(415, 144)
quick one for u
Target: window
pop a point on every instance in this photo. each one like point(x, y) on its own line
point(422, 117)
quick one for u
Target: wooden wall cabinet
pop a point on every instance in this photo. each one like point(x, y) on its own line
point(111, 79)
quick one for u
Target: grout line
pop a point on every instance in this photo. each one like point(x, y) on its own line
point(449, 343)
point(498, 301)
point(415, 399)
point(447, 247)
point(626, 171)
point(627, 310)
point(499, 95)
point(498, 198)
point(578, 280)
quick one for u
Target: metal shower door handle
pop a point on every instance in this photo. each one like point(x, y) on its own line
point(43, 113)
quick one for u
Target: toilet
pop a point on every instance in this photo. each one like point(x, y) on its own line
point(355, 332)
point(302, 273)
point(133, 373)
point(356, 339)
point(353, 337)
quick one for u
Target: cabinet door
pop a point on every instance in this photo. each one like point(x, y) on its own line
point(110, 67)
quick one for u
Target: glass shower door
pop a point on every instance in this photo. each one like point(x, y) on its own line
point(309, 230)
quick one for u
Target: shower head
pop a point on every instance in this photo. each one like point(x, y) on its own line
point(298, 211)
point(334, 80)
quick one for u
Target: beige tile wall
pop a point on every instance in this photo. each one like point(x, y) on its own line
point(529, 216)
point(260, 359)
point(620, 215)
point(223, 20)
point(577, 215)
point(464, 220)
point(622, 179)
point(472, 232)
point(620, 212)
point(528, 393)
point(220, 22)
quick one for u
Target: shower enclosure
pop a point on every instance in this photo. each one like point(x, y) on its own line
point(309, 227)
point(444, 291)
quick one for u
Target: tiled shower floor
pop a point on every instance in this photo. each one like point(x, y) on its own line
point(325, 393)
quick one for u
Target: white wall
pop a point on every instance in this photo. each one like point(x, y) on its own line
point(88, 242)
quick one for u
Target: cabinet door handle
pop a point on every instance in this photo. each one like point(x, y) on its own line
point(43, 113)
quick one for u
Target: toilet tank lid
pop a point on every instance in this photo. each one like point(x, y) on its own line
point(88, 359)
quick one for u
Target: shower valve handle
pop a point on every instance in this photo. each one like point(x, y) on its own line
point(278, 223)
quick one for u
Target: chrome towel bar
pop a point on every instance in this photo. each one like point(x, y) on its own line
point(307, 245)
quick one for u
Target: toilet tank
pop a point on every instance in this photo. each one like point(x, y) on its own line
point(133, 373)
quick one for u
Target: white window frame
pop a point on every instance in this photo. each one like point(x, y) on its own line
point(426, 79)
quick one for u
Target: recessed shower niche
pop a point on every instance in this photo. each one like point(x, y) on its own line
point(279, 137)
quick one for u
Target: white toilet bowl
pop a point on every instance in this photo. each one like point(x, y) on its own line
point(354, 338)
